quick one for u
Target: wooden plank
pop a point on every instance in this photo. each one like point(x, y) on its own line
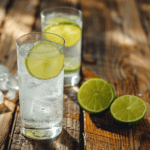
point(5, 120)
point(114, 62)
point(144, 60)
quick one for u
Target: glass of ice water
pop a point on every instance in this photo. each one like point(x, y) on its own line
point(66, 22)
point(40, 59)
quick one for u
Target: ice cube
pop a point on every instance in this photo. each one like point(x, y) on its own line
point(12, 83)
point(11, 94)
point(1, 97)
point(33, 82)
point(4, 72)
point(41, 110)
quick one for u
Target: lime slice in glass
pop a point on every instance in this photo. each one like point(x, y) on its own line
point(69, 31)
point(53, 38)
point(128, 109)
point(95, 95)
point(71, 64)
point(58, 20)
point(36, 134)
point(44, 61)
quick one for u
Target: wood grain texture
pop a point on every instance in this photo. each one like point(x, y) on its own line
point(118, 52)
point(116, 47)
point(6, 114)
point(5, 120)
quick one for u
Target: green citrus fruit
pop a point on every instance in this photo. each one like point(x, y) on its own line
point(71, 64)
point(95, 95)
point(44, 61)
point(66, 28)
point(128, 109)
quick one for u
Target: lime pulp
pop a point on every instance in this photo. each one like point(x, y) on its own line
point(71, 64)
point(66, 28)
point(44, 61)
point(128, 109)
point(95, 95)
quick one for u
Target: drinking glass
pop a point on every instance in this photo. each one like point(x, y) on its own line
point(66, 22)
point(41, 73)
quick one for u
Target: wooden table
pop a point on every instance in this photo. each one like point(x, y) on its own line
point(116, 47)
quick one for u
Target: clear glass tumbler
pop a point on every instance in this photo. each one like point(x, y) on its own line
point(66, 22)
point(41, 80)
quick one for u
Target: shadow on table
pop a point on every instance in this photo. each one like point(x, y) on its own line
point(63, 141)
point(104, 121)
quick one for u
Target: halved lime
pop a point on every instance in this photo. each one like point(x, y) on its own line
point(67, 29)
point(95, 95)
point(128, 109)
point(44, 61)
point(71, 64)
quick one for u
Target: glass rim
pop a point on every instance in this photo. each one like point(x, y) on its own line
point(61, 7)
point(33, 33)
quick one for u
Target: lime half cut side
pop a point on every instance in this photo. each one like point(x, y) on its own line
point(67, 29)
point(71, 64)
point(128, 109)
point(95, 95)
point(44, 61)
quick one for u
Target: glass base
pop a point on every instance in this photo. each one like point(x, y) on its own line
point(71, 79)
point(41, 134)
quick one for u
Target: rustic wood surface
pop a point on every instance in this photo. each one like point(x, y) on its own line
point(116, 47)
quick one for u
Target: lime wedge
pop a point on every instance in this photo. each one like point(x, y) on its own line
point(71, 64)
point(95, 95)
point(128, 109)
point(44, 61)
point(67, 29)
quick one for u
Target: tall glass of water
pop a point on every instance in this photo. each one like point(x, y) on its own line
point(66, 22)
point(41, 77)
